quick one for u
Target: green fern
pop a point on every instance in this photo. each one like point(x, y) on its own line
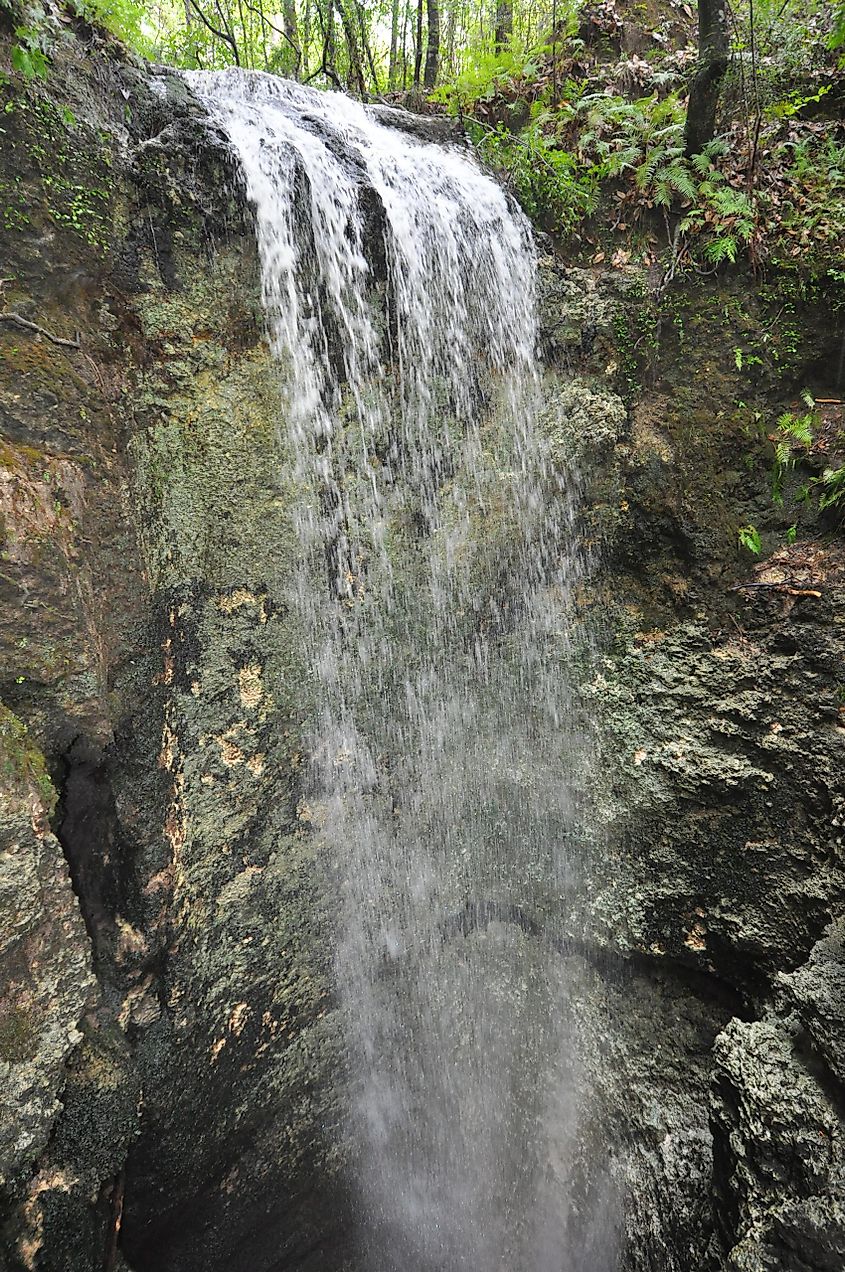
point(792, 430)
point(749, 538)
point(832, 482)
point(799, 428)
point(622, 160)
point(722, 248)
point(678, 177)
point(702, 164)
point(730, 202)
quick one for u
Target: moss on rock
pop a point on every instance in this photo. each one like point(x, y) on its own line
point(22, 765)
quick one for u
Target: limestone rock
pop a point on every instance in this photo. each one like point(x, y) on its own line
point(779, 1152)
point(45, 958)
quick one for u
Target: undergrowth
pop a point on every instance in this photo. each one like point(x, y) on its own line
point(593, 147)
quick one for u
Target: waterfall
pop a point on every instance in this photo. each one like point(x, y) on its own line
point(446, 764)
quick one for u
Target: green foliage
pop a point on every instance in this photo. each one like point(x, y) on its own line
point(798, 427)
point(563, 159)
point(553, 187)
point(22, 766)
point(76, 196)
point(722, 215)
point(749, 538)
point(805, 217)
point(832, 488)
point(795, 102)
point(742, 359)
point(488, 72)
point(799, 435)
point(836, 39)
point(28, 57)
point(771, 189)
point(124, 18)
point(593, 145)
point(640, 140)
point(793, 432)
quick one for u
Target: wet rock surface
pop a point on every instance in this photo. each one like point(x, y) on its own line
point(167, 1026)
point(779, 1150)
point(44, 955)
point(716, 700)
point(145, 647)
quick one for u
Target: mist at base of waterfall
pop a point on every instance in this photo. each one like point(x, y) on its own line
point(482, 1153)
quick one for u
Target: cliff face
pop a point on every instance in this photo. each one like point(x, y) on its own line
point(717, 701)
point(146, 647)
point(166, 1026)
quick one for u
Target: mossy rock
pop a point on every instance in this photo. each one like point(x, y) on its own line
point(18, 1034)
point(22, 765)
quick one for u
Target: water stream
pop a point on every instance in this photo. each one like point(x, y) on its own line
point(447, 765)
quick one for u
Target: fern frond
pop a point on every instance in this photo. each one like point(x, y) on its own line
point(721, 249)
point(731, 202)
point(833, 480)
point(627, 156)
point(661, 192)
point(680, 180)
point(647, 171)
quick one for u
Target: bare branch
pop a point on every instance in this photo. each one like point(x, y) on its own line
point(41, 331)
point(225, 36)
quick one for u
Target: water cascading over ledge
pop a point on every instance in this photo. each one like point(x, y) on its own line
point(201, 1112)
point(446, 767)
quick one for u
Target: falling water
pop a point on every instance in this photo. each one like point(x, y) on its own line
point(436, 574)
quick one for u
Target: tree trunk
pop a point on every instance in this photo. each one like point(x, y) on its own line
point(392, 66)
point(448, 52)
point(432, 52)
point(306, 37)
point(365, 44)
point(292, 34)
point(504, 24)
point(325, 18)
point(356, 69)
point(418, 47)
point(406, 23)
point(329, 49)
point(712, 64)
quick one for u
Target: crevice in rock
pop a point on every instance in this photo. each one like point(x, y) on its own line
point(814, 1061)
point(86, 826)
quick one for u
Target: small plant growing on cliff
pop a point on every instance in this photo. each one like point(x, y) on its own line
point(831, 488)
point(749, 538)
point(551, 184)
point(28, 57)
point(792, 432)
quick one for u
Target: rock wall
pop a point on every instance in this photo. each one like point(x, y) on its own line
point(717, 706)
point(183, 1094)
point(166, 1026)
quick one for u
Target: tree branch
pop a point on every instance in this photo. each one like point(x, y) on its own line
point(325, 66)
point(221, 35)
point(41, 331)
point(259, 13)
